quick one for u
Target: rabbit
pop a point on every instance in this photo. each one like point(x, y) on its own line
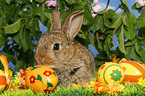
point(57, 49)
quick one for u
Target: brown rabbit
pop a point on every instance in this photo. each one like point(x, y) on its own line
point(57, 49)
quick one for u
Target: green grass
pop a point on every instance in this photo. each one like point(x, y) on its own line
point(131, 89)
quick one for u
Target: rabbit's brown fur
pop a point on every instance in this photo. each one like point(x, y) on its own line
point(57, 48)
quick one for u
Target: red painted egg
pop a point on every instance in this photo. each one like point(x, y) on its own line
point(133, 70)
point(41, 79)
point(2, 80)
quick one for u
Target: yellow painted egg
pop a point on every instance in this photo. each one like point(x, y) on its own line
point(41, 78)
point(110, 72)
point(2, 80)
point(133, 71)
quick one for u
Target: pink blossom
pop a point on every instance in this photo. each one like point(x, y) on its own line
point(93, 15)
point(102, 37)
point(95, 2)
point(51, 3)
point(141, 2)
point(96, 7)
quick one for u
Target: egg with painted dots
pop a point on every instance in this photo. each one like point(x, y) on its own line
point(41, 78)
point(110, 72)
point(133, 70)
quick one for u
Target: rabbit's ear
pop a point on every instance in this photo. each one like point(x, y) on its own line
point(55, 20)
point(73, 24)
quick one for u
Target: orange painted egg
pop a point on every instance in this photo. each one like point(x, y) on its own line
point(2, 80)
point(133, 71)
point(41, 78)
point(110, 72)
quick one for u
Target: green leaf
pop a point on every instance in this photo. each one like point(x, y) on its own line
point(54, 73)
point(60, 4)
point(143, 42)
point(16, 16)
point(19, 1)
point(39, 78)
point(83, 35)
point(141, 20)
point(49, 85)
point(26, 41)
point(135, 56)
point(34, 9)
point(47, 13)
point(34, 24)
point(142, 51)
point(43, 18)
point(117, 21)
point(98, 23)
point(72, 1)
point(137, 48)
point(1, 12)
point(13, 28)
point(8, 1)
point(3, 21)
point(109, 41)
point(128, 52)
point(2, 41)
point(35, 68)
point(102, 12)
point(138, 5)
point(132, 18)
point(116, 17)
point(87, 19)
point(111, 13)
point(130, 32)
point(134, 7)
point(24, 14)
point(125, 6)
point(98, 41)
point(10, 11)
point(39, 1)
point(19, 64)
point(2, 38)
point(130, 43)
point(108, 44)
point(91, 38)
point(124, 20)
point(121, 40)
point(16, 38)
point(48, 25)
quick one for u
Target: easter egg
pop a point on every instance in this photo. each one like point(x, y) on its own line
point(2, 80)
point(133, 70)
point(110, 72)
point(41, 78)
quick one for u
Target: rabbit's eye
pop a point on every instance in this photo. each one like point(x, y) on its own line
point(56, 46)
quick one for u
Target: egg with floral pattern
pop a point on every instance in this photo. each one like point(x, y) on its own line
point(41, 78)
point(110, 72)
point(2, 80)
